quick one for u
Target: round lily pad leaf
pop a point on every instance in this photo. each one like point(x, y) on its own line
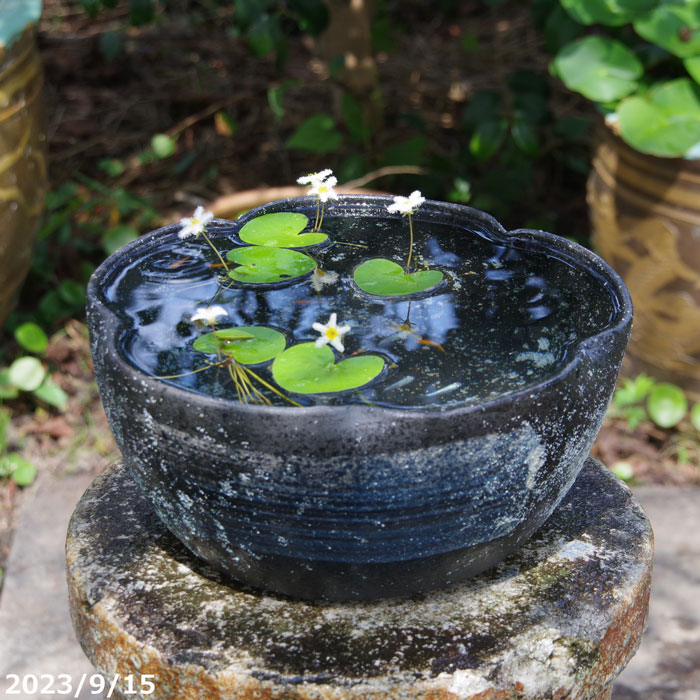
point(267, 265)
point(249, 345)
point(306, 369)
point(386, 278)
point(666, 404)
point(281, 230)
point(601, 69)
point(665, 122)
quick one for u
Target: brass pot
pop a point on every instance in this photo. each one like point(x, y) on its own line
point(23, 180)
point(645, 215)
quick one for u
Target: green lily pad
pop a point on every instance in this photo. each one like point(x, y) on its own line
point(306, 369)
point(249, 345)
point(386, 278)
point(665, 121)
point(267, 265)
point(281, 230)
point(601, 69)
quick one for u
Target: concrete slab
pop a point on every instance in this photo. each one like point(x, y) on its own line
point(36, 636)
point(667, 665)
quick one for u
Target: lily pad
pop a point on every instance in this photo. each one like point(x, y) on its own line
point(386, 278)
point(306, 369)
point(267, 265)
point(249, 345)
point(281, 230)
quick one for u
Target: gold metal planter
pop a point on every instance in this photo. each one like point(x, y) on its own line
point(23, 180)
point(645, 213)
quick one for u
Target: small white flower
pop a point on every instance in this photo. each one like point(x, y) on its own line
point(331, 333)
point(209, 314)
point(320, 278)
point(195, 224)
point(315, 179)
point(406, 205)
point(324, 190)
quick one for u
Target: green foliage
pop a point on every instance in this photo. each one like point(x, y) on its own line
point(601, 69)
point(386, 278)
point(635, 72)
point(268, 265)
point(664, 121)
point(307, 369)
point(249, 345)
point(642, 398)
point(281, 230)
point(317, 134)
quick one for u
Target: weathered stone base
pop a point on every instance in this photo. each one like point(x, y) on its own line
point(560, 619)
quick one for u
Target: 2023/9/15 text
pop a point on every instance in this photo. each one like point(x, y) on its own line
point(63, 684)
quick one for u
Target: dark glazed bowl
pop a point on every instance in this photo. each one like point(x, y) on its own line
point(357, 501)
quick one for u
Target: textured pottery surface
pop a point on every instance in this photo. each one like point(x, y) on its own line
point(645, 213)
point(558, 619)
point(359, 501)
point(23, 177)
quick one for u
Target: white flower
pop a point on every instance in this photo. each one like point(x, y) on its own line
point(320, 278)
point(331, 333)
point(324, 190)
point(209, 314)
point(315, 179)
point(406, 205)
point(195, 224)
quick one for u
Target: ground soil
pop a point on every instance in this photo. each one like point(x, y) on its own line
point(174, 77)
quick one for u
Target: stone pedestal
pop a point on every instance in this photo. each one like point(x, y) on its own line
point(560, 619)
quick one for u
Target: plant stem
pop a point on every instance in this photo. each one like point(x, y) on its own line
point(410, 244)
point(323, 210)
point(213, 247)
point(317, 225)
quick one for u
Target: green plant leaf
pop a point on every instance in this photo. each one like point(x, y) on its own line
point(117, 237)
point(7, 389)
point(664, 122)
point(692, 65)
point(353, 117)
point(26, 373)
point(667, 404)
point(317, 135)
point(267, 265)
point(306, 369)
point(280, 230)
point(673, 26)
point(610, 12)
point(249, 345)
point(601, 69)
point(32, 338)
point(488, 138)
point(695, 416)
point(633, 390)
point(51, 393)
point(72, 293)
point(526, 137)
point(386, 278)
point(19, 469)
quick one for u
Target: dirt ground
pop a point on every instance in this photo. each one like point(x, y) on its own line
point(174, 77)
